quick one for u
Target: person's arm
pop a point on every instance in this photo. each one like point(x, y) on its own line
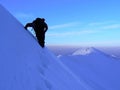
point(46, 28)
point(28, 25)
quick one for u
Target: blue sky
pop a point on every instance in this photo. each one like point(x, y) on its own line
point(72, 22)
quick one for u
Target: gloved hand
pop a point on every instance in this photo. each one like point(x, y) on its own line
point(25, 28)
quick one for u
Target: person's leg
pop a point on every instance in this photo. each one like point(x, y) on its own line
point(41, 39)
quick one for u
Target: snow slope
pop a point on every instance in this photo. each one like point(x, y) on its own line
point(111, 51)
point(24, 65)
point(98, 69)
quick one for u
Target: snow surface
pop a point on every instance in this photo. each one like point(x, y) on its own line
point(83, 51)
point(111, 51)
point(98, 69)
point(24, 65)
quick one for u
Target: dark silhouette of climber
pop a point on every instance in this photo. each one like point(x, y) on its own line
point(40, 27)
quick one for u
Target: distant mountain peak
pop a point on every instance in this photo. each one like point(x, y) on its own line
point(83, 51)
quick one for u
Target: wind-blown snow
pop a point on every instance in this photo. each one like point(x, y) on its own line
point(24, 65)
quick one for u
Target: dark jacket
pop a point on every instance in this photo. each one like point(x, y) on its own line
point(38, 25)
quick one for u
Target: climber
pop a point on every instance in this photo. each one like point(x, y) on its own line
point(40, 27)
